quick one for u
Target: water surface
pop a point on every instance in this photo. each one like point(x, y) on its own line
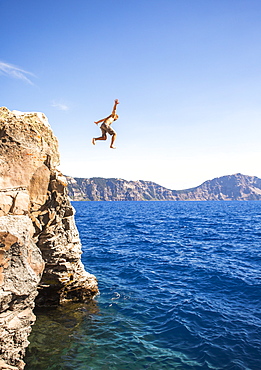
point(179, 289)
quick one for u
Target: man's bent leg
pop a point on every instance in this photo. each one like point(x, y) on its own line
point(112, 141)
point(103, 137)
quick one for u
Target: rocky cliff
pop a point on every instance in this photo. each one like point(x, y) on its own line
point(40, 250)
point(234, 187)
point(97, 188)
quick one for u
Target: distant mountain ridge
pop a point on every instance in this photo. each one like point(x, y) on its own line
point(232, 187)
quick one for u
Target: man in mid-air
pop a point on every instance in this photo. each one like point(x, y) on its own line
point(106, 126)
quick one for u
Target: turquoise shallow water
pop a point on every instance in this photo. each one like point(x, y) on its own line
point(180, 288)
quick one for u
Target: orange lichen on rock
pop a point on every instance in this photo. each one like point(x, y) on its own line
point(6, 241)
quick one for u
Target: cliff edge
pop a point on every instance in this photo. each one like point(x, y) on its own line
point(40, 249)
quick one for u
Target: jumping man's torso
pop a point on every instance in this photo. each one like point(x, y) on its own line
point(108, 120)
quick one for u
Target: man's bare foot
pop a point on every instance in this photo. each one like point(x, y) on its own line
point(113, 147)
point(93, 141)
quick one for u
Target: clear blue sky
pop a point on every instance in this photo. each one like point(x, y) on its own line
point(186, 72)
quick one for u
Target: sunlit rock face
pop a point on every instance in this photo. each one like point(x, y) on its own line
point(40, 248)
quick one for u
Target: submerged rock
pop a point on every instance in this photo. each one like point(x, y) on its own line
point(40, 249)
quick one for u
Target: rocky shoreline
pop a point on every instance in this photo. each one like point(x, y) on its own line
point(40, 249)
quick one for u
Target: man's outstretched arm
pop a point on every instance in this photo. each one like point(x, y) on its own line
point(101, 120)
point(116, 102)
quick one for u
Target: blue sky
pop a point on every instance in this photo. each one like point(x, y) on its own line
point(186, 72)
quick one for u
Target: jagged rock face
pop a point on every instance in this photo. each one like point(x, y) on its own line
point(234, 187)
point(39, 243)
point(20, 273)
point(64, 277)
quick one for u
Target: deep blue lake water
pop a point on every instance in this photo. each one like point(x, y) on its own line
point(180, 288)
